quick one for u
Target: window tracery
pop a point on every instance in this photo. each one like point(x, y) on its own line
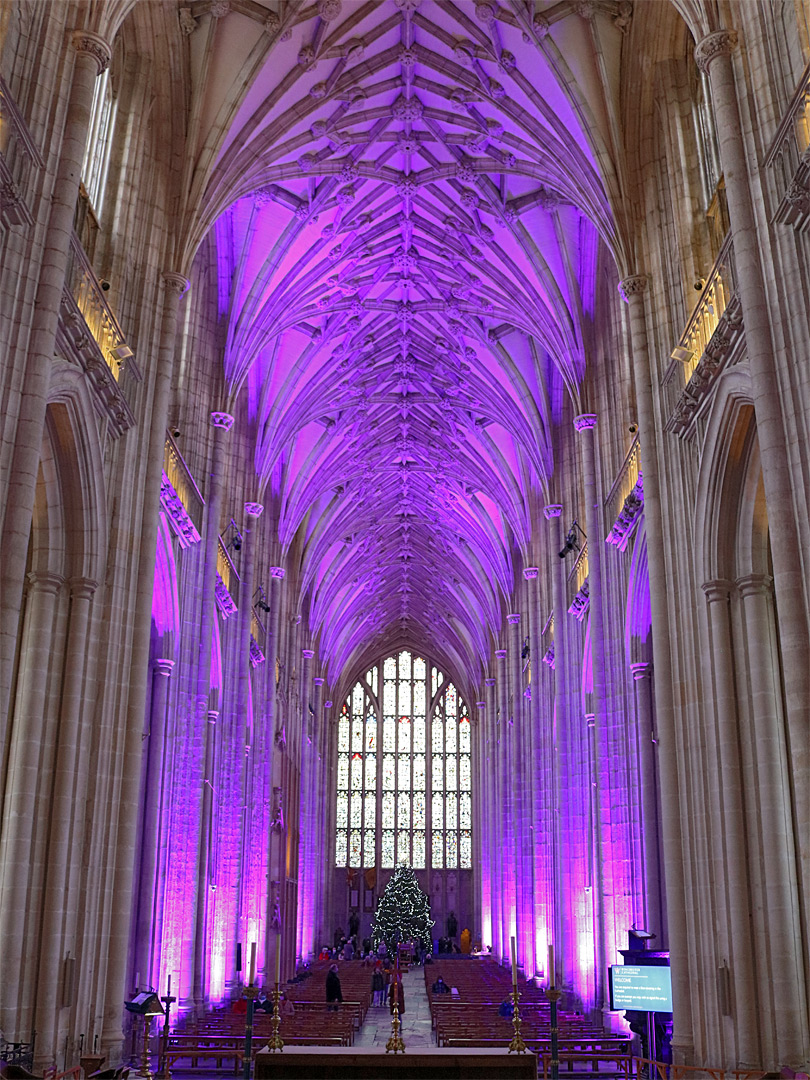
point(411, 801)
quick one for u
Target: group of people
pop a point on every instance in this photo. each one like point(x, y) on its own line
point(385, 981)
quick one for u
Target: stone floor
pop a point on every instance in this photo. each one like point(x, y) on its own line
point(415, 1029)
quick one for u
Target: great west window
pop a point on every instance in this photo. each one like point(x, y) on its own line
point(404, 775)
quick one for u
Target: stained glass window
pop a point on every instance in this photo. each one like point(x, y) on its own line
point(420, 810)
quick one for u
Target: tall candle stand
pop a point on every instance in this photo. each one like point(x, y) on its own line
point(168, 1001)
point(395, 1044)
point(553, 996)
point(517, 1045)
point(251, 993)
point(276, 1042)
point(145, 1070)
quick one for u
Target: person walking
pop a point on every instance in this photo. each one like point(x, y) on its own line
point(333, 992)
point(377, 985)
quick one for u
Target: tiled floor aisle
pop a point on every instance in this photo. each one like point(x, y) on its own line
point(415, 1029)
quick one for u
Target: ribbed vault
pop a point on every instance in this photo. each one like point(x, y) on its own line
point(404, 205)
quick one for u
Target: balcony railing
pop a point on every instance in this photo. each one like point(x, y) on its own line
point(578, 601)
point(625, 500)
point(180, 496)
point(711, 305)
point(789, 159)
point(706, 345)
point(258, 637)
point(86, 290)
point(19, 158)
point(227, 581)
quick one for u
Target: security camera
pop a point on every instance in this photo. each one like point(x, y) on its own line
point(176, 433)
point(105, 285)
point(699, 285)
point(633, 429)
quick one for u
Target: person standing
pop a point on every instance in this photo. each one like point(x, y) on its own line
point(333, 992)
point(377, 985)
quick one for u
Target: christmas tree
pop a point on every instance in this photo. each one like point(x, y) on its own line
point(403, 913)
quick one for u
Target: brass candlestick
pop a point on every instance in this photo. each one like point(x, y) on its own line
point(517, 1045)
point(251, 993)
point(554, 996)
point(395, 1045)
point(276, 1042)
point(145, 1070)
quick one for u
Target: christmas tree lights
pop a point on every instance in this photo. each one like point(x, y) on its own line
point(403, 912)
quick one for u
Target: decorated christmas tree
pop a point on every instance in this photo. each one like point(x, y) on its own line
point(403, 913)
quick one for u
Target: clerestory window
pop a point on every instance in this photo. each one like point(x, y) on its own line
point(404, 770)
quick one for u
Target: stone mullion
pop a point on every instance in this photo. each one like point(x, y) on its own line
point(92, 57)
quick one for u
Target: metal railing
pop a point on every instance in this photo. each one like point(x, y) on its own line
point(226, 570)
point(624, 483)
point(713, 301)
point(792, 137)
point(86, 290)
point(182, 481)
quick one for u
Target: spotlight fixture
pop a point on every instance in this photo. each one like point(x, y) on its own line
point(526, 650)
point(571, 539)
point(260, 599)
point(235, 542)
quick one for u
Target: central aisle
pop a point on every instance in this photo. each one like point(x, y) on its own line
point(415, 1024)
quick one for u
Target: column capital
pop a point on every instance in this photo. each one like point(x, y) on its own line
point(85, 41)
point(162, 666)
point(45, 581)
point(318, 680)
point(175, 283)
point(641, 670)
point(553, 510)
point(277, 573)
point(489, 682)
point(633, 285)
point(754, 585)
point(254, 509)
point(501, 654)
point(720, 43)
point(222, 420)
point(327, 704)
point(513, 619)
point(590, 719)
point(82, 588)
point(307, 653)
point(717, 590)
point(530, 573)
point(213, 716)
point(585, 421)
point(480, 704)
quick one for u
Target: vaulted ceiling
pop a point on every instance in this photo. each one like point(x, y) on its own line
point(404, 200)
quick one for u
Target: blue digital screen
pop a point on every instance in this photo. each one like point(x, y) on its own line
point(641, 989)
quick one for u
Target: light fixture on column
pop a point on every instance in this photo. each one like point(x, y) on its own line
point(260, 599)
point(572, 539)
point(235, 541)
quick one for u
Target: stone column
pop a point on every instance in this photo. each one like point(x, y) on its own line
point(780, 959)
point(677, 939)
point(557, 929)
point(305, 775)
point(321, 835)
point(493, 816)
point(605, 926)
point(221, 423)
point(506, 830)
point(540, 765)
point(112, 1037)
point(520, 813)
point(145, 959)
point(726, 841)
point(713, 55)
point(92, 57)
point(275, 859)
point(247, 896)
point(642, 682)
point(22, 785)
